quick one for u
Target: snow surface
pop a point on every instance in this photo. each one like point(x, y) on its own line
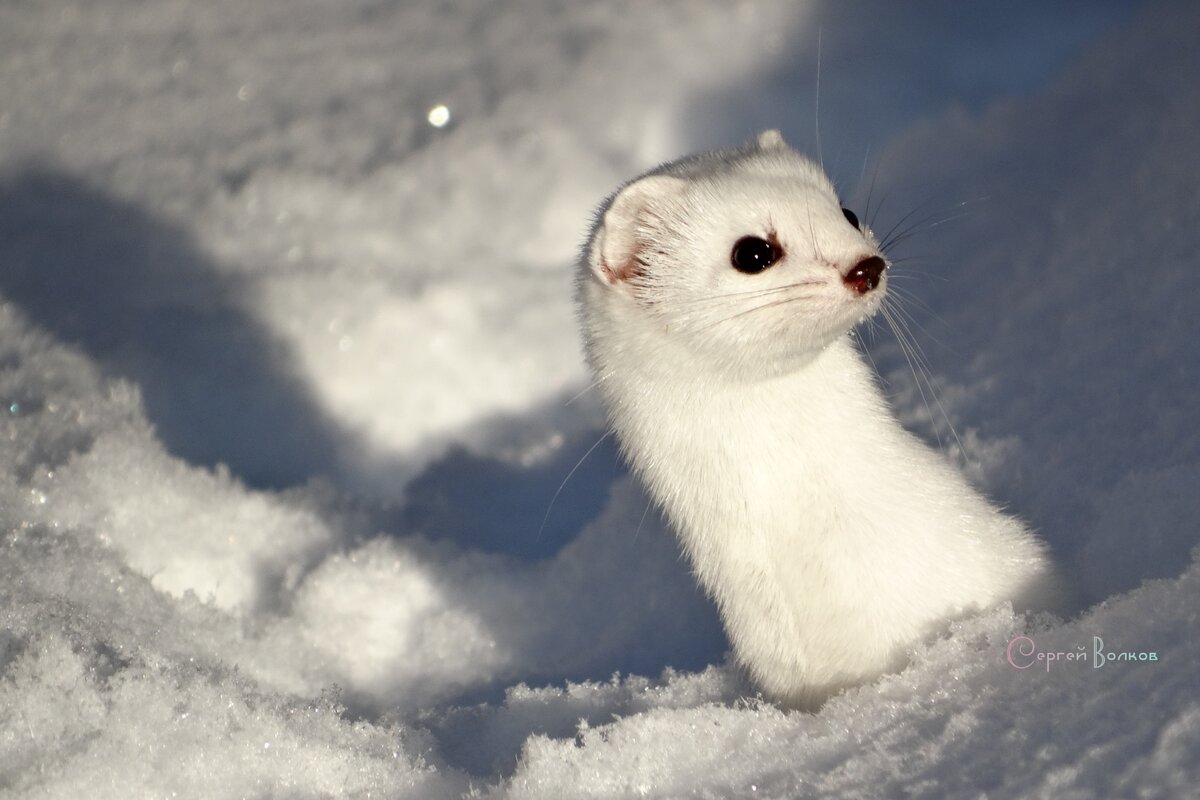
point(289, 375)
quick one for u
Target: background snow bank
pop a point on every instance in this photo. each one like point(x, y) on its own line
point(285, 369)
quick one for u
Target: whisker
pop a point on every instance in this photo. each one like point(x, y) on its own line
point(908, 273)
point(901, 329)
point(870, 192)
point(887, 241)
point(642, 521)
point(817, 102)
point(589, 387)
point(750, 293)
point(921, 227)
point(562, 485)
point(760, 307)
point(904, 349)
point(812, 232)
point(906, 296)
point(873, 327)
point(878, 209)
point(893, 238)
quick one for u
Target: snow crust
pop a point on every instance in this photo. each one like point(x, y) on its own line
point(290, 384)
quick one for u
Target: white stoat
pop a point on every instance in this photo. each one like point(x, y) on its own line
point(717, 294)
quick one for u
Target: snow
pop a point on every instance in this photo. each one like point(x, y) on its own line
point(290, 384)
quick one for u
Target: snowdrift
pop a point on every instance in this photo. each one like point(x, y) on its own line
point(289, 385)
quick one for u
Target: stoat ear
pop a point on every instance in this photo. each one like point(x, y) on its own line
point(770, 140)
point(625, 222)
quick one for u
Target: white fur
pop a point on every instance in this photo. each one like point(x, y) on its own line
point(831, 539)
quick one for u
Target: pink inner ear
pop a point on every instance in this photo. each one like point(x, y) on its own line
point(608, 272)
point(630, 268)
point(624, 225)
point(617, 260)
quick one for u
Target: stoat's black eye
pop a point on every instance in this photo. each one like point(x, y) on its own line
point(752, 254)
point(851, 217)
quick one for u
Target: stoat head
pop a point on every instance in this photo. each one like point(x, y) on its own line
point(745, 257)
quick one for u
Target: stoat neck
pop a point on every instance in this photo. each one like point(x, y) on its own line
point(711, 448)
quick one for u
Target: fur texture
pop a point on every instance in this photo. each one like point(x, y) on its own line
point(831, 539)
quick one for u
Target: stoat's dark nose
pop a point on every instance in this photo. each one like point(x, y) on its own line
point(865, 275)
